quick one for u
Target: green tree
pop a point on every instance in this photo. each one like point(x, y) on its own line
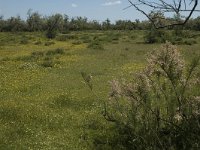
point(54, 25)
point(106, 25)
point(34, 21)
point(15, 24)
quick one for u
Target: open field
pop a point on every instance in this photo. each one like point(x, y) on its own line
point(44, 103)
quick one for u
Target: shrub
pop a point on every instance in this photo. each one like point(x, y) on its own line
point(58, 51)
point(37, 54)
point(48, 63)
point(51, 34)
point(62, 37)
point(190, 42)
point(65, 37)
point(159, 108)
point(95, 45)
point(24, 40)
point(156, 36)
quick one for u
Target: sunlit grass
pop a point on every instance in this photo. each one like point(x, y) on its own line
point(50, 107)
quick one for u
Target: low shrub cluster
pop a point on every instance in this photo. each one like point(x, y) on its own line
point(178, 37)
point(65, 37)
point(95, 45)
point(44, 59)
point(156, 36)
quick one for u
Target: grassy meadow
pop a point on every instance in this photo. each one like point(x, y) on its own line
point(44, 102)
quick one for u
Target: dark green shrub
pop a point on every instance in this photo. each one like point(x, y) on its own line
point(58, 51)
point(95, 45)
point(156, 36)
point(190, 42)
point(51, 34)
point(181, 41)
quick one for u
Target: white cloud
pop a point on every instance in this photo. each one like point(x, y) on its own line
point(112, 3)
point(74, 5)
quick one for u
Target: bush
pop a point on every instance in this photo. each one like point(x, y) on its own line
point(24, 41)
point(156, 36)
point(190, 42)
point(37, 54)
point(61, 37)
point(51, 34)
point(58, 51)
point(159, 108)
point(96, 45)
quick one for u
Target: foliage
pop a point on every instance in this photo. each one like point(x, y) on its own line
point(156, 36)
point(57, 51)
point(95, 45)
point(176, 36)
point(159, 109)
point(54, 24)
point(34, 21)
point(58, 23)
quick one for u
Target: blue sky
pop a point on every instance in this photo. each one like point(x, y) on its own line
point(93, 9)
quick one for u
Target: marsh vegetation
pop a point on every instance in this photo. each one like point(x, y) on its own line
point(47, 104)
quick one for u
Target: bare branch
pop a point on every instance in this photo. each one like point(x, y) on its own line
point(181, 9)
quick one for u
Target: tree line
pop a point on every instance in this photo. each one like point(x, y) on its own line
point(63, 23)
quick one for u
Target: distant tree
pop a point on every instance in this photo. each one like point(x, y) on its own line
point(73, 24)
point(1, 23)
point(197, 24)
point(66, 23)
point(124, 25)
point(106, 24)
point(54, 25)
point(95, 25)
point(34, 21)
point(15, 24)
point(81, 22)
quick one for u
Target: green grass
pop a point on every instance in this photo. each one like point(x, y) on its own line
point(44, 103)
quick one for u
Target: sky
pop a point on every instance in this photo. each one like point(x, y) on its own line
point(92, 9)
